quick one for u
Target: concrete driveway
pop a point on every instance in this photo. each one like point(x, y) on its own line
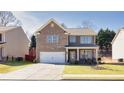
point(37, 71)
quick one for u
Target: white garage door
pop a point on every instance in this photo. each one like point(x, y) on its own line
point(52, 57)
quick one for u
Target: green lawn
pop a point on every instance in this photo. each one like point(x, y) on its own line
point(101, 69)
point(12, 66)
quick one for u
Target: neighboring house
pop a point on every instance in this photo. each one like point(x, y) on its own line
point(56, 44)
point(13, 42)
point(118, 45)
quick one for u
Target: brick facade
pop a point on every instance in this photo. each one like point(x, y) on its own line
point(43, 46)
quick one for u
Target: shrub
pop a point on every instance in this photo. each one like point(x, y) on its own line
point(19, 59)
point(82, 61)
point(94, 61)
point(89, 61)
point(30, 58)
point(120, 60)
point(99, 59)
point(72, 61)
point(76, 62)
point(12, 58)
point(7, 58)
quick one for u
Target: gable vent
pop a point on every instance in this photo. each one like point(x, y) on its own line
point(52, 25)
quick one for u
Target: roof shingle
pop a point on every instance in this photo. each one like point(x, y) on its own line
point(80, 31)
point(3, 29)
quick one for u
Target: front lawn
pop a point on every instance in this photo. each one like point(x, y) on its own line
point(101, 69)
point(13, 65)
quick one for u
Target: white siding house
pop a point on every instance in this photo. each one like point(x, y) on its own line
point(13, 42)
point(118, 45)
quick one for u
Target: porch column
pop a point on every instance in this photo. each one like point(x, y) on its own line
point(94, 41)
point(66, 54)
point(78, 54)
point(3, 37)
point(96, 53)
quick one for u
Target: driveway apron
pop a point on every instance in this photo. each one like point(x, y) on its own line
point(37, 71)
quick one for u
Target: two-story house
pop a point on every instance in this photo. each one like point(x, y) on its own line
point(56, 44)
point(13, 42)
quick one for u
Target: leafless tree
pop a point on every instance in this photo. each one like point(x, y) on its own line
point(87, 24)
point(63, 25)
point(8, 19)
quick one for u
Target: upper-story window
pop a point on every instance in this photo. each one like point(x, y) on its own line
point(52, 38)
point(85, 39)
point(0, 37)
point(72, 39)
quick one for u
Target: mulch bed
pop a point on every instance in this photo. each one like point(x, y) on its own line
point(102, 68)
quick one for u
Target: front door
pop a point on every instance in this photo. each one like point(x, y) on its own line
point(72, 55)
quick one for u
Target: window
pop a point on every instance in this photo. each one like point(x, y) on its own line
point(0, 37)
point(55, 38)
point(86, 54)
point(72, 39)
point(49, 39)
point(86, 39)
point(52, 38)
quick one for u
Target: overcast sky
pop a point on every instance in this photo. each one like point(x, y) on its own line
point(31, 21)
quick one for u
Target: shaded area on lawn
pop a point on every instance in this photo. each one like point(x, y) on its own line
point(13, 65)
point(17, 63)
point(100, 69)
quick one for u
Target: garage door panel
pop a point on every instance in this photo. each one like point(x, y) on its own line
point(52, 57)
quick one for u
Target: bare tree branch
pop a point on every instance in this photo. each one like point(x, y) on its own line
point(7, 18)
point(63, 25)
point(87, 24)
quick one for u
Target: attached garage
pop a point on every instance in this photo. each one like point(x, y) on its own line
point(52, 57)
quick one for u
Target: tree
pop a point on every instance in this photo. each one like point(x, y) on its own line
point(104, 38)
point(87, 24)
point(7, 18)
point(63, 25)
point(33, 42)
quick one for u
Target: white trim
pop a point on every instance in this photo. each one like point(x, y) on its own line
point(82, 47)
point(3, 37)
point(116, 35)
point(78, 54)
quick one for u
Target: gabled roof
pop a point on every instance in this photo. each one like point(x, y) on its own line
point(81, 31)
point(122, 29)
point(50, 20)
point(4, 29)
point(71, 31)
point(11, 28)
